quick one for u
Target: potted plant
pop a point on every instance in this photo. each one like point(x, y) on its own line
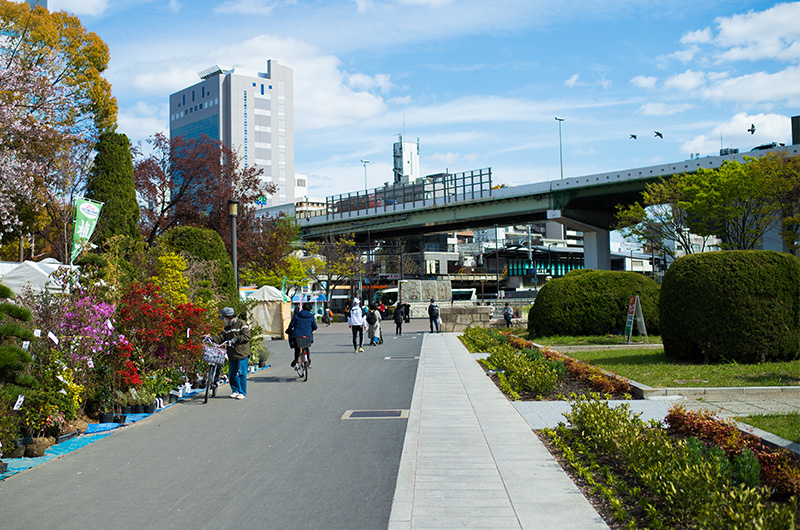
point(146, 400)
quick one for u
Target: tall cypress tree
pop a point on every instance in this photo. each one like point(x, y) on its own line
point(111, 182)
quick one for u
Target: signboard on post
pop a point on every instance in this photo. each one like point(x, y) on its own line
point(85, 215)
point(635, 314)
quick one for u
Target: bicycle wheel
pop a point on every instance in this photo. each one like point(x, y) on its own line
point(305, 364)
point(215, 380)
point(209, 380)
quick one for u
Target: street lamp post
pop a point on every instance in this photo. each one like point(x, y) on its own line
point(550, 259)
point(560, 150)
point(497, 260)
point(365, 162)
point(233, 211)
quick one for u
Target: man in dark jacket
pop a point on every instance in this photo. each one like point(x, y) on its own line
point(399, 316)
point(433, 316)
point(303, 324)
point(238, 333)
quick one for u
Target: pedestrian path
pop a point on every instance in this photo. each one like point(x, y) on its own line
point(471, 461)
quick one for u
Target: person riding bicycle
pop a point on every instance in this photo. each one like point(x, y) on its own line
point(237, 332)
point(303, 324)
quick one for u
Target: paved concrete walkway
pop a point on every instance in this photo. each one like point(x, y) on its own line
point(471, 461)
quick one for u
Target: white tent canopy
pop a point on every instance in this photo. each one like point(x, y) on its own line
point(35, 275)
point(267, 293)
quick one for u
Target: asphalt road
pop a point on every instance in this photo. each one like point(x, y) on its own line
point(281, 458)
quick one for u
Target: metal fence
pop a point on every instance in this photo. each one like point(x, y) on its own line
point(434, 190)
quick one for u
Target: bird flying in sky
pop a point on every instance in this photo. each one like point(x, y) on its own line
point(633, 137)
point(752, 129)
point(659, 135)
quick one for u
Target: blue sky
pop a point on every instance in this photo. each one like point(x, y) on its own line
point(479, 82)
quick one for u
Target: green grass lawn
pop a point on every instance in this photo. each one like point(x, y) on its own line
point(601, 340)
point(651, 367)
point(784, 425)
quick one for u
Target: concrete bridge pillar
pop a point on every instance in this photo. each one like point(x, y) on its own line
point(596, 240)
point(597, 249)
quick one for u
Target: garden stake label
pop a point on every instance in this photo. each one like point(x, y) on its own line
point(20, 401)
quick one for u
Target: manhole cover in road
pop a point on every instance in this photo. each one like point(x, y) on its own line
point(375, 414)
point(400, 358)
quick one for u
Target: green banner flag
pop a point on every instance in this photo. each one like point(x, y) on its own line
point(85, 215)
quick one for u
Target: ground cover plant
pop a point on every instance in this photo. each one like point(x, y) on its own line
point(522, 371)
point(653, 368)
point(641, 475)
point(784, 425)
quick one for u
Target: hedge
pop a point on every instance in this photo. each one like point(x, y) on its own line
point(592, 302)
point(206, 245)
point(732, 306)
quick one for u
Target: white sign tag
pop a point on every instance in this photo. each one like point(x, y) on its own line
point(37, 333)
point(20, 401)
point(52, 336)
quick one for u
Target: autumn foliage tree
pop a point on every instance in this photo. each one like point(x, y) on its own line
point(189, 182)
point(54, 103)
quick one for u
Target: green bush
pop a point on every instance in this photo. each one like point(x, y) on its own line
point(732, 306)
point(592, 302)
point(523, 373)
point(205, 245)
point(480, 340)
point(694, 486)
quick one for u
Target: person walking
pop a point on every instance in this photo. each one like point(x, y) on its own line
point(303, 324)
point(356, 321)
point(433, 315)
point(399, 317)
point(507, 314)
point(374, 322)
point(238, 333)
point(327, 315)
point(407, 313)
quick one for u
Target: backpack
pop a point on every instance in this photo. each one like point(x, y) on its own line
point(435, 311)
point(371, 318)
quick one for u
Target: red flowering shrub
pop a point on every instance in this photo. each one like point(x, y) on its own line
point(162, 336)
point(779, 469)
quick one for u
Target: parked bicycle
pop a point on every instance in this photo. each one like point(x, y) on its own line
point(302, 365)
point(214, 355)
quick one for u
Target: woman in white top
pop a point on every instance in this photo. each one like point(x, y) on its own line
point(356, 321)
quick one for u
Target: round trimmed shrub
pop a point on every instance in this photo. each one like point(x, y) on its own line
point(592, 302)
point(207, 245)
point(732, 306)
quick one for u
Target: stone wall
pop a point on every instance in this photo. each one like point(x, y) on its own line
point(424, 290)
point(456, 319)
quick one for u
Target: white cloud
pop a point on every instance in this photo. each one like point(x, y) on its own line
point(79, 7)
point(663, 109)
point(247, 7)
point(572, 81)
point(770, 34)
point(701, 36)
point(688, 80)
point(426, 3)
point(783, 86)
point(381, 82)
point(643, 81)
point(143, 120)
point(174, 6)
point(733, 133)
point(364, 5)
point(686, 55)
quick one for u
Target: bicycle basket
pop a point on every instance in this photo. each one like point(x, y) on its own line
point(303, 342)
point(213, 354)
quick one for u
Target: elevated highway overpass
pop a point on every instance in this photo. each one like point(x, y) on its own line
point(448, 202)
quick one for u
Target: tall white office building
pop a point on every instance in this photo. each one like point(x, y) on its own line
point(250, 112)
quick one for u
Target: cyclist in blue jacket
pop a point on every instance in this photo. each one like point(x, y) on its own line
point(303, 324)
